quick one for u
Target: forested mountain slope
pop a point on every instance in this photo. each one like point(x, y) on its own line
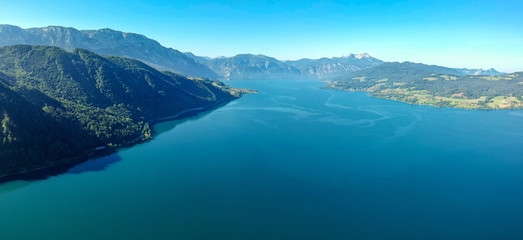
point(107, 42)
point(56, 104)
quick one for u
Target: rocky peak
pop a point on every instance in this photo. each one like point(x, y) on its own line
point(357, 56)
point(362, 55)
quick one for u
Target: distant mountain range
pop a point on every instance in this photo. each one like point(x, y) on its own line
point(261, 66)
point(107, 42)
point(490, 71)
point(331, 67)
point(56, 105)
point(244, 66)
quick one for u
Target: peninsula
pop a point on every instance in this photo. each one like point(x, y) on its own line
point(437, 86)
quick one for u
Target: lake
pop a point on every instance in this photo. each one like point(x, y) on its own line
point(291, 162)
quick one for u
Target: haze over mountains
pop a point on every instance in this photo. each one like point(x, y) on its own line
point(336, 66)
point(467, 71)
point(107, 42)
point(249, 66)
point(243, 66)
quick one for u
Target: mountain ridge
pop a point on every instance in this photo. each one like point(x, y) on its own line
point(335, 66)
point(107, 41)
point(251, 66)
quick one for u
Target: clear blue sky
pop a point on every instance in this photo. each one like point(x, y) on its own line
point(457, 33)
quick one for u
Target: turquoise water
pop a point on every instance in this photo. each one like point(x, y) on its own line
point(291, 162)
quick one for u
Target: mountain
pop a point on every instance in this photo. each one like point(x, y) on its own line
point(199, 59)
point(107, 42)
point(410, 70)
point(332, 67)
point(260, 66)
point(434, 85)
point(490, 71)
point(245, 66)
point(396, 71)
point(57, 105)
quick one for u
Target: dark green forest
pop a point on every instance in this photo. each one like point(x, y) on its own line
point(56, 104)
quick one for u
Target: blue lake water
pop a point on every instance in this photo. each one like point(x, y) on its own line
point(291, 162)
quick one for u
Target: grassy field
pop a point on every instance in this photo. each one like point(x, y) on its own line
point(361, 79)
point(505, 102)
point(436, 86)
point(498, 78)
point(422, 97)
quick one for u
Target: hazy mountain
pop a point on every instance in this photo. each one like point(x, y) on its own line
point(199, 59)
point(250, 66)
point(56, 104)
point(256, 66)
point(107, 42)
point(490, 71)
point(332, 67)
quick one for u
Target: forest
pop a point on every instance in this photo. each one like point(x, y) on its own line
point(57, 105)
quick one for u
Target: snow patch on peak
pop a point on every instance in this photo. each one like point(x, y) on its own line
point(362, 55)
point(357, 56)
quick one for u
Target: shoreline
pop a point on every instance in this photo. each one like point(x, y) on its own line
point(371, 94)
point(44, 170)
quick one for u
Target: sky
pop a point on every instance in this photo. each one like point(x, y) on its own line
point(456, 33)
